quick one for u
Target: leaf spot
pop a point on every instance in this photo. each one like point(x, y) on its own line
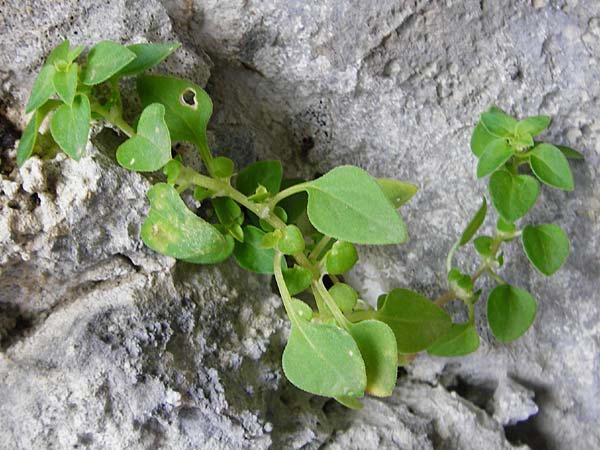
point(132, 162)
point(155, 229)
point(350, 353)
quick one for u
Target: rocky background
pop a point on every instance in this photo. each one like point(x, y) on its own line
point(106, 345)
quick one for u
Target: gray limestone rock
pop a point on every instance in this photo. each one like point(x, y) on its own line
point(106, 345)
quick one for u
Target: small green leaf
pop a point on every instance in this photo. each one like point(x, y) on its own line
point(498, 123)
point(416, 321)
point(506, 226)
point(297, 279)
point(172, 170)
point(294, 205)
point(551, 166)
point(340, 258)
point(262, 173)
point(150, 148)
point(228, 211)
point(377, 345)
point(381, 301)
point(483, 245)
point(105, 60)
point(546, 246)
point(474, 224)
point(513, 195)
point(173, 230)
point(460, 340)
point(292, 241)
point(146, 56)
point(30, 135)
point(493, 157)
point(301, 309)
point(397, 192)
point(348, 204)
point(187, 106)
point(222, 167)
point(324, 360)
point(60, 53)
point(65, 83)
point(522, 141)
point(43, 88)
point(532, 125)
point(510, 312)
point(570, 153)
point(344, 296)
point(251, 255)
point(70, 126)
point(74, 53)
point(480, 139)
point(350, 402)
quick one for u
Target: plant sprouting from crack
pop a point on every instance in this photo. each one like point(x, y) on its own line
point(305, 232)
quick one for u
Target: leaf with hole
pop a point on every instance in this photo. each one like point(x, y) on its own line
point(416, 321)
point(251, 255)
point(348, 204)
point(262, 173)
point(551, 166)
point(105, 60)
point(397, 192)
point(546, 246)
point(30, 135)
point(324, 360)
point(43, 88)
point(460, 340)
point(493, 157)
point(187, 106)
point(146, 56)
point(474, 224)
point(70, 126)
point(377, 345)
point(150, 148)
point(510, 312)
point(513, 195)
point(173, 230)
point(532, 126)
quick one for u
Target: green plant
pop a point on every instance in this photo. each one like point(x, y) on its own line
point(304, 232)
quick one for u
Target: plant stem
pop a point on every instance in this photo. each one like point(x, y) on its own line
point(314, 254)
point(339, 316)
point(283, 290)
point(286, 193)
point(451, 256)
point(114, 119)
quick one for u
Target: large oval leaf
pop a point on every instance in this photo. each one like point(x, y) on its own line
point(70, 126)
point(415, 320)
point(460, 340)
point(493, 157)
point(104, 60)
point(146, 56)
point(173, 230)
point(324, 360)
point(348, 204)
point(266, 173)
point(187, 107)
point(513, 195)
point(550, 165)
point(377, 344)
point(150, 148)
point(546, 246)
point(510, 312)
point(43, 88)
point(480, 139)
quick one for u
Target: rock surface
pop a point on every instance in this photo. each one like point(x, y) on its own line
point(106, 345)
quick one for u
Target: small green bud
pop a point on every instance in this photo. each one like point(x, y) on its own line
point(345, 297)
point(260, 195)
point(341, 258)
point(269, 240)
point(292, 241)
point(236, 232)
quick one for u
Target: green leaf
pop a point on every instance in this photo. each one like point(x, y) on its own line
point(546, 246)
point(65, 83)
point(294, 205)
point(510, 312)
point(74, 53)
point(344, 296)
point(228, 211)
point(551, 166)
point(460, 340)
point(397, 192)
point(480, 139)
point(350, 402)
point(262, 173)
point(483, 245)
point(302, 310)
point(377, 345)
point(347, 204)
point(222, 167)
point(324, 360)
point(251, 255)
point(43, 88)
point(340, 258)
point(70, 126)
point(474, 224)
point(522, 141)
point(493, 157)
point(60, 53)
point(297, 279)
point(532, 125)
point(513, 195)
point(291, 241)
point(172, 229)
point(146, 56)
point(187, 106)
point(498, 123)
point(105, 60)
point(416, 321)
point(30, 135)
point(570, 153)
point(150, 148)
